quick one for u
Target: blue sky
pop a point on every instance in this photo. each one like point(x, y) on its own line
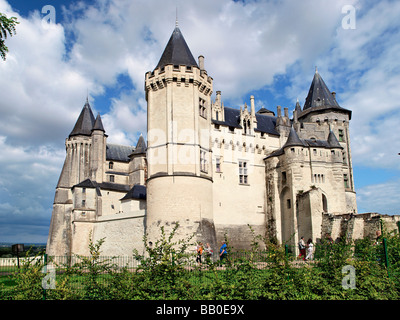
point(268, 49)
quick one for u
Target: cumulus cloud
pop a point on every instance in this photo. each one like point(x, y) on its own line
point(105, 47)
point(380, 198)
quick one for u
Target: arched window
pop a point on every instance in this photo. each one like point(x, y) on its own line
point(324, 203)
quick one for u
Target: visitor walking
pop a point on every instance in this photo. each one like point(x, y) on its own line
point(199, 252)
point(223, 251)
point(310, 250)
point(302, 248)
point(209, 251)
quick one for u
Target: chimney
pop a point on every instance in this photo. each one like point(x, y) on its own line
point(286, 111)
point(218, 98)
point(201, 63)
point(278, 111)
point(253, 108)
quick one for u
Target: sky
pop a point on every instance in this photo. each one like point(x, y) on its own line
point(65, 51)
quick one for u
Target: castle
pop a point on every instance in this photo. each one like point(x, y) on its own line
point(213, 169)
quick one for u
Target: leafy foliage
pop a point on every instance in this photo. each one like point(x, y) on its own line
point(7, 26)
point(167, 271)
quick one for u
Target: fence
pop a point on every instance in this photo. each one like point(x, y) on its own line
point(80, 273)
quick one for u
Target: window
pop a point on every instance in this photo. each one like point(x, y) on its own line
point(83, 190)
point(346, 181)
point(283, 177)
point(341, 135)
point(202, 108)
point(83, 203)
point(243, 177)
point(216, 115)
point(203, 161)
point(111, 165)
point(112, 178)
point(217, 164)
point(289, 203)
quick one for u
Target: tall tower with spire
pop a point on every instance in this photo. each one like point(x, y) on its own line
point(82, 162)
point(322, 117)
point(179, 183)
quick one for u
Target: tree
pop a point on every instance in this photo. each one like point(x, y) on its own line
point(7, 26)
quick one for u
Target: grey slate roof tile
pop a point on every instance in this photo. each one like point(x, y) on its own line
point(116, 152)
point(137, 192)
point(176, 52)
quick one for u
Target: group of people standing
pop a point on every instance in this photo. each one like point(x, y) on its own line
point(223, 252)
point(306, 250)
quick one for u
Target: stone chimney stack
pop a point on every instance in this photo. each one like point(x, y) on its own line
point(253, 108)
point(201, 62)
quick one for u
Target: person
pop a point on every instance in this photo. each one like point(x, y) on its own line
point(310, 250)
point(199, 252)
point(208, 250)
point(302, 248)
point(223, 251)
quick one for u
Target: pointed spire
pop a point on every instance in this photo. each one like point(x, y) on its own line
point(293, 140)
point(319, 94)
point(140, 146)
point(98, 124)
point(333, 141)
point(176, 52)
point(298, 107)
point(85, 122)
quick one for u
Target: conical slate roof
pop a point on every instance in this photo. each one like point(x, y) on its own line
point(177, 52)
point(293, 140)
point(319, 98)
point(333, 141)
point(140, 146)
point(85, 122)
point(98, 124)
point(319, 94)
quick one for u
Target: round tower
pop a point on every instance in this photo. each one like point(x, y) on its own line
point(179, 183)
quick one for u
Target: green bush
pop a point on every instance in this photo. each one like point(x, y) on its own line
point(167, 271)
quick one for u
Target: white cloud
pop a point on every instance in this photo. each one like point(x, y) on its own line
point(246, 45)
point(382, 198)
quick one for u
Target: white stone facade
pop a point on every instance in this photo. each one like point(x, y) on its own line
point(214, 170)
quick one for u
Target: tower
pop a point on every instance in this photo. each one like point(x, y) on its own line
point(76, 169)
point(179, 183)
point(322, 115)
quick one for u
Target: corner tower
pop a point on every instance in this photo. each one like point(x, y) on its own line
point(179, 184)
point(322, 118)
